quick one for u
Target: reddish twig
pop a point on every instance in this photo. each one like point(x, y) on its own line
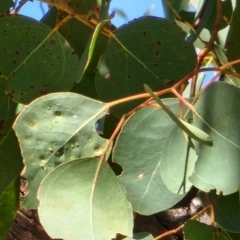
point(17, 9)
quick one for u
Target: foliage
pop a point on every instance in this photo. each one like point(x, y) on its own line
point(94, 140)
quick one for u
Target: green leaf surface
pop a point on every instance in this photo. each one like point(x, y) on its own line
point(226, 210)
point(9, 203)
point(10, 156)
point(190, 129)
point(85, 198)
point(74, 31)
point(87, 86)
point(221, 53)
point(222, 124)
point(178, 5)
point(141, 236)
point(201, 17)
point(231, 43)
point(227, 11)
point(138, 150)
point(54, 129)
point(177, 162)
point(90, 49)
point(194, 230)
point(36, 59)
point(5, 5)
point(148, 50)
point(7, 106)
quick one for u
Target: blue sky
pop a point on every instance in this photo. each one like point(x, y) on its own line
point(132, 8)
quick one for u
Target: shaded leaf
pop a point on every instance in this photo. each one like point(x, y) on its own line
point(231, 43)
point(9, 203)
point(36, 60)
point(87, 86)
point(194, 230)
point(90, 49)
point(5, 5)
point(54, 129)
point(178, 5)
point(226, 210)
point(222, 123)
point(177, 162)
point(98, 209)
point(10, 160)
point(140, 53)
point(7, 106)
point(138, 150)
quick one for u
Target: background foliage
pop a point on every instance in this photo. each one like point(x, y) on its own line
point(95, 143)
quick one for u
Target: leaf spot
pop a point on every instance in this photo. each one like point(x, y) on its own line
point(57, 113)
point(52, 41)
point(140, 176)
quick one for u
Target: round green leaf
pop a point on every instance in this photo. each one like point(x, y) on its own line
point(148, 51)
point(194, 230)
point(36, 59)
point(226, 210)
point(177, 162)
point(53, 129)
point(218, 109)
point(85, 198)
point(138, 150)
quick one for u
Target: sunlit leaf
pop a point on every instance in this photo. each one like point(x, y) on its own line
point(53, 129)
point(190, 129)
point(138, 151)
point(218, 116)
point(85, 198)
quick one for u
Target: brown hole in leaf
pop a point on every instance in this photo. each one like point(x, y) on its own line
point(17, 52)
point(52, 41)
point(10, 95)
point(129, 77)
point(186, 47)
point(14, 62)
point(89, 18)
point(155, 64)
point(57, 113)
point(158, 43)
point(96, 147)
point(45, 85)
point(157, 52)
point(0, 72)
point(144, 33)
point(21, 93)
point(32, 87)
